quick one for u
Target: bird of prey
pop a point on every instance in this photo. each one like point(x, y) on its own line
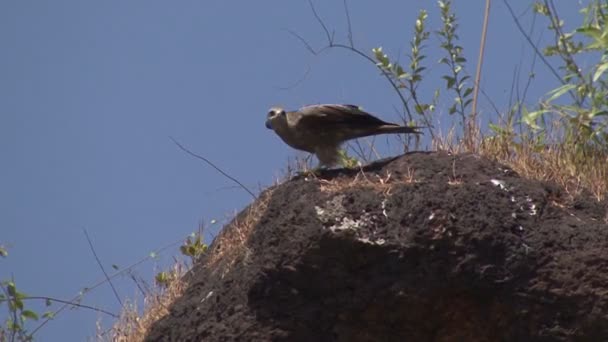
point(321, 129)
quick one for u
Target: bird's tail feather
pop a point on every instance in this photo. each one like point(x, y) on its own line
point(392, 129)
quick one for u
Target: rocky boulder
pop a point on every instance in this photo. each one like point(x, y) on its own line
point(422, 247)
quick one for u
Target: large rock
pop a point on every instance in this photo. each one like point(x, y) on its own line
point(424, 247)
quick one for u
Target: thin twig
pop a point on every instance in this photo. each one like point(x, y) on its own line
point(350, 30)
point(297, 82)
point(490, 101)
point(514, 89)
point(314, 11)
point(564, 52)
point(372, 148)
point(71, 303)
point(530, 77)
point(482, 46)
point(534, 47)
point(213, 166)
point(303, 41)
point(358, 151)
point(101, 282)
point(331, 44)
point(532, 64)
point(102, 268)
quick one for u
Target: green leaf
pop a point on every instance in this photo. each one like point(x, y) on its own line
point(18, 303)
point(529, 118)
point(452, 109)
point(420, 108)
point(450, 81)
point(599, 113)
point(467, 92)
point(20, 295)
point(600, 70)
point(29, 314)
point(460, 60)
point(48, 315)
point(591, 32)
point(555, 93)
point(3, 252)
point(496, 128)
point(540, 8)
point(399, 70)
point(11, 288)
point(13, 326)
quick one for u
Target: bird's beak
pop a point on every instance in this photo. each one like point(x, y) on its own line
point(268, 124)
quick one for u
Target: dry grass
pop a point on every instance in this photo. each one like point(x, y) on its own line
point(567, 166)
point(133, 325)
point(229, 247)
point(376, 182)
point(572, 169)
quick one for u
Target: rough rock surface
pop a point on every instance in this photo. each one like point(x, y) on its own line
point(423, 247)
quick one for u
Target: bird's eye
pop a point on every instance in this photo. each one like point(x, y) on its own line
point(271, 113)
point(282, 112)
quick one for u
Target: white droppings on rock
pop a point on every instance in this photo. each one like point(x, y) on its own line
point(207, 296)
point(348, 223)
point(533, 210)
point(383, 206)
point(333, 211)
point(379, 242)
point(531, 206)
point(500, 184)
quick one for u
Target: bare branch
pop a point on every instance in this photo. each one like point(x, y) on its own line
point(101, 282)
point(297, 82)
point(71, 303)
point(528, 82)
point(303, 41)
point(350, 30)
point(213, 166)
point(492, 103)
point(102, 268)
point(351, 47)
point(534, 47)
point(564, 52)
point(482, 46)
point(314, 11)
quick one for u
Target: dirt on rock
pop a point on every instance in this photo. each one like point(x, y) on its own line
point(422, 247)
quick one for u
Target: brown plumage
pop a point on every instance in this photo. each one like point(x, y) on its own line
point(321, 129)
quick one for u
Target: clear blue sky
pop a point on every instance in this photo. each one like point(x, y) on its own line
point(91, 91)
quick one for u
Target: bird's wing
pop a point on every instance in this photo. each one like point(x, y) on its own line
point(328, 116)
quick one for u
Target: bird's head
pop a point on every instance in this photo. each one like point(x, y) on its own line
point(276, 116)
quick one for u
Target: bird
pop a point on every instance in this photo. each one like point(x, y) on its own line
point(321, 129)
